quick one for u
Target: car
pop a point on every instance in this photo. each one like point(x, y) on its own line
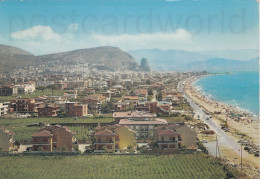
point(204, 141)
point(208, 132)
point(207, 118)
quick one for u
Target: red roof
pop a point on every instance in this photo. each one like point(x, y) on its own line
point(43, 133)
point(105, 132)
point(167, 132)
point(130, 122)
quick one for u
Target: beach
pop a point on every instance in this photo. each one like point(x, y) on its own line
point(239, 121)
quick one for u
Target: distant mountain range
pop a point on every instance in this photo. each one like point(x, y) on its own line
point(180, 60)
point(115, 59)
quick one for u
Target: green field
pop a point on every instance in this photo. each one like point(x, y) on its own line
point(112, 166)
point(24, 133)
point(37, 93)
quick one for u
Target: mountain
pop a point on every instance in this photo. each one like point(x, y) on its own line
point(12, 57)
point(221, 64)
point(241, 54)
point(109, 58)
point(168, 59)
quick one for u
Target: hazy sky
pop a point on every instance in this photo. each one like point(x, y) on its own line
point(195, 25)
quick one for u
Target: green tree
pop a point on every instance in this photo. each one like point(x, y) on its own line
point(40, 149)
point(42, 88)
point(150, 92)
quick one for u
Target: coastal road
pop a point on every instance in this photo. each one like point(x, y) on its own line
point(223, 138)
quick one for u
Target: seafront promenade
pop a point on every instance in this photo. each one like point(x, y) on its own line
point(228, 148)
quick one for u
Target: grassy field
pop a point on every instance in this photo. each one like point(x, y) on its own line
point(23, 133)
point(36, 94)
point(107, 166)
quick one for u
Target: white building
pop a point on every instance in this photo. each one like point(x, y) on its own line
point(3, 109)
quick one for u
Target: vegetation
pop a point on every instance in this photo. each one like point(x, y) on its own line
point(39, 92)
point(23, 133)
point(107, 166)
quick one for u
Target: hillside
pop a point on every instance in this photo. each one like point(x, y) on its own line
point(221, 64)
point(12, 57)
point(110, 58)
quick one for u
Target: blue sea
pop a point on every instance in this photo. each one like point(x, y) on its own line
point(240, 89)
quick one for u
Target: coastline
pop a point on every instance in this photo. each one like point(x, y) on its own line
point(208, 96)
point(239, 121)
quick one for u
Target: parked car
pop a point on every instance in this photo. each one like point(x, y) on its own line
point(204, 141)
point(208, 132)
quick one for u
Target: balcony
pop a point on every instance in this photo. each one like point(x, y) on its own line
point(41, 143)
point(167, 142)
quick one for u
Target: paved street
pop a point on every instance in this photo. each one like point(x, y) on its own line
point(223, 138)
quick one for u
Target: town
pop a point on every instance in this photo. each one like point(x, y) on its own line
point(103, 111)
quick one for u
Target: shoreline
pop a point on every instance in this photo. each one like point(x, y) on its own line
point(240, 122)
point(212, 98)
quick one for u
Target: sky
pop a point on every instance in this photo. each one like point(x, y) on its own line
point(43, 27)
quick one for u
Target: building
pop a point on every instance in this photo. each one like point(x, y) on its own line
point(24, 105)
point(3, 109)
point(188, 135)
point(53, 138)
point(143, 123)
point(114, 138)
point(133, 115)
point(8, 90)
point(6, 139)
point(168, 139)
point(74, 109)
point(93, 102)
point(70, 94)
point(48, 110)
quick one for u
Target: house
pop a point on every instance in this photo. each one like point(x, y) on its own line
point(114, 138)
point(74, 109)
point(130, 99)
point(144, 123)
point(3, 109)
point(53, 137)
point(168, 138)
point(48, 110)
point(70, 94)
point(155, 107)
point(24, 105)
point(93, 102)
point(6, 139)
point(145, 129)
point(188, 135)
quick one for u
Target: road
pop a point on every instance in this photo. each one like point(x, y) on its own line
point(223, 138)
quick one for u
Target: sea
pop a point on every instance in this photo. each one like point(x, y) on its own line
point(239, 89)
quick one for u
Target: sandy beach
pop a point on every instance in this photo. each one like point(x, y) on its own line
point(240, 122)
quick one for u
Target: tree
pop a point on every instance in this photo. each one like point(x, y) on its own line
point(42, 88)
point(148, 82)
point(104, 147)
point(52, 87)
point(159, 96)
point(129, 147)
point(150, 92)
point(188, 118)
point(40, 149)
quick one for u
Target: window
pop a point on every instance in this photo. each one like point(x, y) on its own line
point(150, 127)
point(137, 127)
point(162, 138)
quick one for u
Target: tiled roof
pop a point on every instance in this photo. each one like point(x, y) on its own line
point(133, 114)
point(105, 132)
point(167, 132)
point(155, 122)
point(43, 133)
